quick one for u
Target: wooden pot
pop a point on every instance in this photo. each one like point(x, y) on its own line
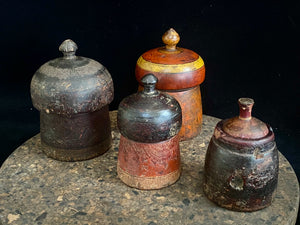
point(241, 163)
point(179, 71)
point(149, 122)
point(72, 94)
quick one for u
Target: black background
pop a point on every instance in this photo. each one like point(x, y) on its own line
point(250, 49)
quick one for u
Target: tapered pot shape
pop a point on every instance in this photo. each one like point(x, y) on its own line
point(149, 122)
point(241, 163)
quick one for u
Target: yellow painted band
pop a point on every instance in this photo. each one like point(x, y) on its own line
point(163, 68)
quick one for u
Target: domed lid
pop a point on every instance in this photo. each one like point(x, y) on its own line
point(149, 116)
point(244, 127)
point(176, 68)
point(71, 84)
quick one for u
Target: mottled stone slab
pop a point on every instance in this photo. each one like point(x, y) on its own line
point(35, 189)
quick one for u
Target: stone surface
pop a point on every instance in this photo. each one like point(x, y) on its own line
point(35, 189)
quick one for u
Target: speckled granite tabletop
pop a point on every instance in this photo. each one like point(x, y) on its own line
point(35, 189)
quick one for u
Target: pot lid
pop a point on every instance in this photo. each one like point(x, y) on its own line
point(71, 84)
point(175, 67)
point(245, 126)
point(149, 116)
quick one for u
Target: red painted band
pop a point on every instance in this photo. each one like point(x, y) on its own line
point(174, 81)
point(177, 57)
point(149, 159)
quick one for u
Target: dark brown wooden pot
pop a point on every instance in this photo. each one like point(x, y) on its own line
point(149, 122)
point(180, 72)
point(72, 94)
point(241, 164)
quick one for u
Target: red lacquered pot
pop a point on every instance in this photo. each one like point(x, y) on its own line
point(241, 164)
point(149, 122)
point(179, 71)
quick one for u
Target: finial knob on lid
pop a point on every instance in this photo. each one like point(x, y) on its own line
point(149, 81)
point(245, 126)
point(245, 105)
point(171, 39)
point(68, 48)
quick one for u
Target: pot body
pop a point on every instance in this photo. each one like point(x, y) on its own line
point(191, 106)
point(241, 174)
point(149, 165)
point(75, 137)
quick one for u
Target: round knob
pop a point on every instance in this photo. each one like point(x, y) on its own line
point(68, 48)
point(171, 39)
point(245, 105)
point(149, 81)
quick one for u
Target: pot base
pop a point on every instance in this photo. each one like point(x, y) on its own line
point(234, 204)
point(148, 183)
point(72, 155)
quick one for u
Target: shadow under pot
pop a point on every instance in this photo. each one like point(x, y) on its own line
point(149, 123)
point(72, 94)
point(241, 164)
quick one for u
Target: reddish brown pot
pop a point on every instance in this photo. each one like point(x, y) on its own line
point(241, 164)
point(149, 122)
point(180, 72)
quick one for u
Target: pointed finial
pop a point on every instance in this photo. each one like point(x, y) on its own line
point(68, 48)
point(149, 81)
point(171, 39)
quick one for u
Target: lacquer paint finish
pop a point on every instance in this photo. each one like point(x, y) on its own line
point(191, 106)
point(174, 71)
point(149, 165)
point(179, 71)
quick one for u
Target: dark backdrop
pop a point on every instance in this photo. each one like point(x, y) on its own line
point(250, 49)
